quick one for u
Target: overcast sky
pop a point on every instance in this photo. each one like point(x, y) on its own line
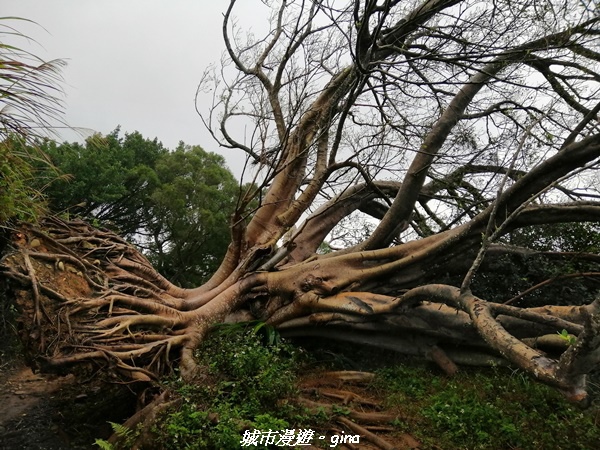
point(133, 63)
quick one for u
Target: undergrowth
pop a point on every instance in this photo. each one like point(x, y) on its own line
point(251, 379)
point(485, 409)
point(250, 384)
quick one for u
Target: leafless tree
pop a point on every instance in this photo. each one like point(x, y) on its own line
point(449, 123)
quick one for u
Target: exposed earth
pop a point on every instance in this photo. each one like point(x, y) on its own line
point(44, 412)
point(41, 412)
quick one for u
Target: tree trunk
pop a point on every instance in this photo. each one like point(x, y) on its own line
point(89, 300)
point(424, 117)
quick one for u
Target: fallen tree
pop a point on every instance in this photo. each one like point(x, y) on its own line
point(450, 123)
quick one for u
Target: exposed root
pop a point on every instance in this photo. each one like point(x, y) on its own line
point(145, 418)
point(366, 417)
point(34, 288)
point(81, 306)
point(440, 357)
point(357, 415)
point(366, 434)
point(351, 376)
point(346, 397)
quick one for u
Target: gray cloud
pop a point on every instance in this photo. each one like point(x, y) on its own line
point(133, 63)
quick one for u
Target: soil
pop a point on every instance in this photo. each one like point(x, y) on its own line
point(54, 413)
point(50, 412)
point(40, 412)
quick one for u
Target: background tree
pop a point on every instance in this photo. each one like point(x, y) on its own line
point(174, 205)
point(553, 263)
point(451, 123)
point(111, 178)
point(190, 214)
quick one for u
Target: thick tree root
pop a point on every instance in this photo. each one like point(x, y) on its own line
point(356, 414)
point(366, 417)
point(91, 301)
point(376, 440)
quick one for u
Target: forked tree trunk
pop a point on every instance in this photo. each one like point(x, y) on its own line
point(89, 300)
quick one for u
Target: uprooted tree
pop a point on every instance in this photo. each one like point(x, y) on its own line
point(448, 124)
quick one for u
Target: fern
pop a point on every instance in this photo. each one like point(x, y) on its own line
point(126, 434)
point(104, 445)
point(121, 430)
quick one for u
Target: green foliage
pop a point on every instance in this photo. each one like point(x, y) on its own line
point(18, 199)
point(111, 178)
point(185, 428)
point(404, 381)
point(469, 420)
point(175, 205)
point(127, 435)
point(502, 277)
point(485, 410)
point(104, 445)
point(250, 376)
point(191, 210)
point(569, 338)
point(257, 373)
point(565, 237)
point(324, 248)
point(29, 107)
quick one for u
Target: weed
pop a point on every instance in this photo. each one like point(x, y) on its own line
point(469, 420)
point(405, 382)
point(485, 409)
point(253, 372)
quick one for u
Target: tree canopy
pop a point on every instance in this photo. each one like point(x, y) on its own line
point(174, 205)
point(449, 123)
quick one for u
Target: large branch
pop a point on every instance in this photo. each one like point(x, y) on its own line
point(267, 225)
point(520, 194)
point(318, 225)
point(279, 210)
point(569, 375)
point(416, 175)
point(557, 213)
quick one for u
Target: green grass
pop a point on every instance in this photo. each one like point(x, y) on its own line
point(250, 384)
point(485, 409)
